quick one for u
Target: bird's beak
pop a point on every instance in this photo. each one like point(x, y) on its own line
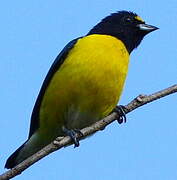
point(147, 28)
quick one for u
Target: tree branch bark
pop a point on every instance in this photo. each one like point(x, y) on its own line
point(64, 141)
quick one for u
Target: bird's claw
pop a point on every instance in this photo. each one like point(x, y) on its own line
point(72, 133)
point(122, 115)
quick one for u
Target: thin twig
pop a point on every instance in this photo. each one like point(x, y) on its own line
point(64, 141)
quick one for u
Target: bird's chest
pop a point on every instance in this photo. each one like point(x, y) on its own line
point(88, 84)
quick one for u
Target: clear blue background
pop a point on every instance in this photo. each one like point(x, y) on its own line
point(32, 33)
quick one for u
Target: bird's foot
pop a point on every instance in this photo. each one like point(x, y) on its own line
point(72, 133)
point(122, 115)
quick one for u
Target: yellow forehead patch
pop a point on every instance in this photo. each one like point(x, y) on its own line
point(139, 18)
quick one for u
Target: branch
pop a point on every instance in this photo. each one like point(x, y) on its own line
point(64, 141)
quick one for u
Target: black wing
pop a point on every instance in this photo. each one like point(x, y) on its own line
point(55, 66)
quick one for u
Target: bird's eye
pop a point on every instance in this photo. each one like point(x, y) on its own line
point(128, 20)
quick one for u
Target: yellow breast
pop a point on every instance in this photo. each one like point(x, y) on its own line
point(88, 84)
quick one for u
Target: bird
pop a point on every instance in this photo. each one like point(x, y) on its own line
point(84, 83)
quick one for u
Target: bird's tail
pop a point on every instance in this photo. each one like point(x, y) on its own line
point(31, 146)
point(11, 161)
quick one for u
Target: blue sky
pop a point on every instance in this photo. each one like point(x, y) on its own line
point(33, 33)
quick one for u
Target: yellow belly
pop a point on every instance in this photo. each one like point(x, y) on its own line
point(87, 86)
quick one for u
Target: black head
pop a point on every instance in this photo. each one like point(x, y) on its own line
point(126, 26)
